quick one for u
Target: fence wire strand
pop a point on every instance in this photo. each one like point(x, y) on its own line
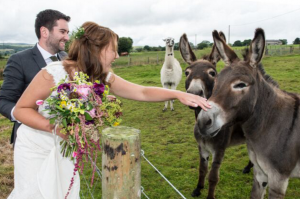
point(98, 171)
point(142, 189)
point(87, 185)
point(142, 154)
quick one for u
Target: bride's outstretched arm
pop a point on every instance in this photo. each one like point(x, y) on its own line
point(129, 90)
point(26, 108)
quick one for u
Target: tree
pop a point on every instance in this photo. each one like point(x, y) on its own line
point(125, 44)
point(203, 44)
point(296, 41)
point(147, 48)
point(284, 41)
point(176, 46)
point(192, 45)
point(238, 43)
point(139, 49)
point(246, 42)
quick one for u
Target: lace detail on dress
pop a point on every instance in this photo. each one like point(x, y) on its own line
point(57, 70)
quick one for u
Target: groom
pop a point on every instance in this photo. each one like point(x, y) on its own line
point(51, 28)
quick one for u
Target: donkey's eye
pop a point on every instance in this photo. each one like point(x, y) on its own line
point(212, 73)
point(187, 73)
point(240, 85)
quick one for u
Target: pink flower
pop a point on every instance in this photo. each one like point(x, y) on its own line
point(92, 113)
point(74, 154)
point(39, 102)
point(83, 90)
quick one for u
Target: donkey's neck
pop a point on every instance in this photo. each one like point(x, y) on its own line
point(275, 110)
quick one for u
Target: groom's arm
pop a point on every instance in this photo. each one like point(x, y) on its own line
point(12, 87)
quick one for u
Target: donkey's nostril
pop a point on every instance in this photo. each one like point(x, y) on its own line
point(208, 122)
point(201, 93)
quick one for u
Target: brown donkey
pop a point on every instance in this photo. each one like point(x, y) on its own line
point(200, 77)
point(268, 116)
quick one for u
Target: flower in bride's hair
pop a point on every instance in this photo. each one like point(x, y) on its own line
point(79, 33)
point(39, 102)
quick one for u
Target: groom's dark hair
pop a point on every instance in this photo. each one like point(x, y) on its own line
point(48, 18)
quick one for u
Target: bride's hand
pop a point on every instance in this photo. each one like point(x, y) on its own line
point(194, 100)
point(58, 133)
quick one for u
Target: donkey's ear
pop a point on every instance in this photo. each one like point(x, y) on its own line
point(214, 56)
point(164, 39)
point(222, 35)
point(257, 47)
point(225, 52)
point(186, 50)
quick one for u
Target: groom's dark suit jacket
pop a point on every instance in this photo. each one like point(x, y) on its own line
point(18, 73)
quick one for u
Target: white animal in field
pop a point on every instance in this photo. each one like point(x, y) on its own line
point(171, 71)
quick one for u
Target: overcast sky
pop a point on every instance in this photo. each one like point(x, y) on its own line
point(147, 22)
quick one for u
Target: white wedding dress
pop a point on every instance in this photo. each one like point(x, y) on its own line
point(40, 171)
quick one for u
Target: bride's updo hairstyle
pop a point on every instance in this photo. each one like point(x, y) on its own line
point(85, 50)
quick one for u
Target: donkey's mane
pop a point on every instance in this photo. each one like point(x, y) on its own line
point(268, 78)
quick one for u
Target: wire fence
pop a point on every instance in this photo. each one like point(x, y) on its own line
point(157, 58)
point(90, 193)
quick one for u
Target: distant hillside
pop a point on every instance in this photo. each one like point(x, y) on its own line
point(17, 44)
point(11, 48)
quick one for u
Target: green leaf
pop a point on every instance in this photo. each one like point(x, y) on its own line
point(52, 120)
point(89, 107)
point(77, 120)
point(58, 107)
point(64, 121)
point(87, 116)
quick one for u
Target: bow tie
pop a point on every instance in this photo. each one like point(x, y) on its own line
point(54, 58)
point(170, 54)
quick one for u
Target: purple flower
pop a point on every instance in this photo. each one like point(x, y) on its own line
point(99, 88)
point(88, 122)
point(64, 86)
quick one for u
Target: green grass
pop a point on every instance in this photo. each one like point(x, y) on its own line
point(168, 141)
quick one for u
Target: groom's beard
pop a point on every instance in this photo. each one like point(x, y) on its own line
point(55, 44)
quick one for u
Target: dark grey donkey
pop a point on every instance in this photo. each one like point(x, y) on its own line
point(268, 116)
point(200, 77)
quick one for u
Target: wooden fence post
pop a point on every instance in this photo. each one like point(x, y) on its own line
point(121, 163)
point(157, 59)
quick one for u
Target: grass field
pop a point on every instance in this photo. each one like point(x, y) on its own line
point(168, 141)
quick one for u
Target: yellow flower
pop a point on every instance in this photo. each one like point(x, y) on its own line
point(116, 124)
point(63, 104)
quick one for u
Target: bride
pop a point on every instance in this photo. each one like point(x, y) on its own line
point(40, 170)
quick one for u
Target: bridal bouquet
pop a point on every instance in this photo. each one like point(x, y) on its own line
point(82, 109)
